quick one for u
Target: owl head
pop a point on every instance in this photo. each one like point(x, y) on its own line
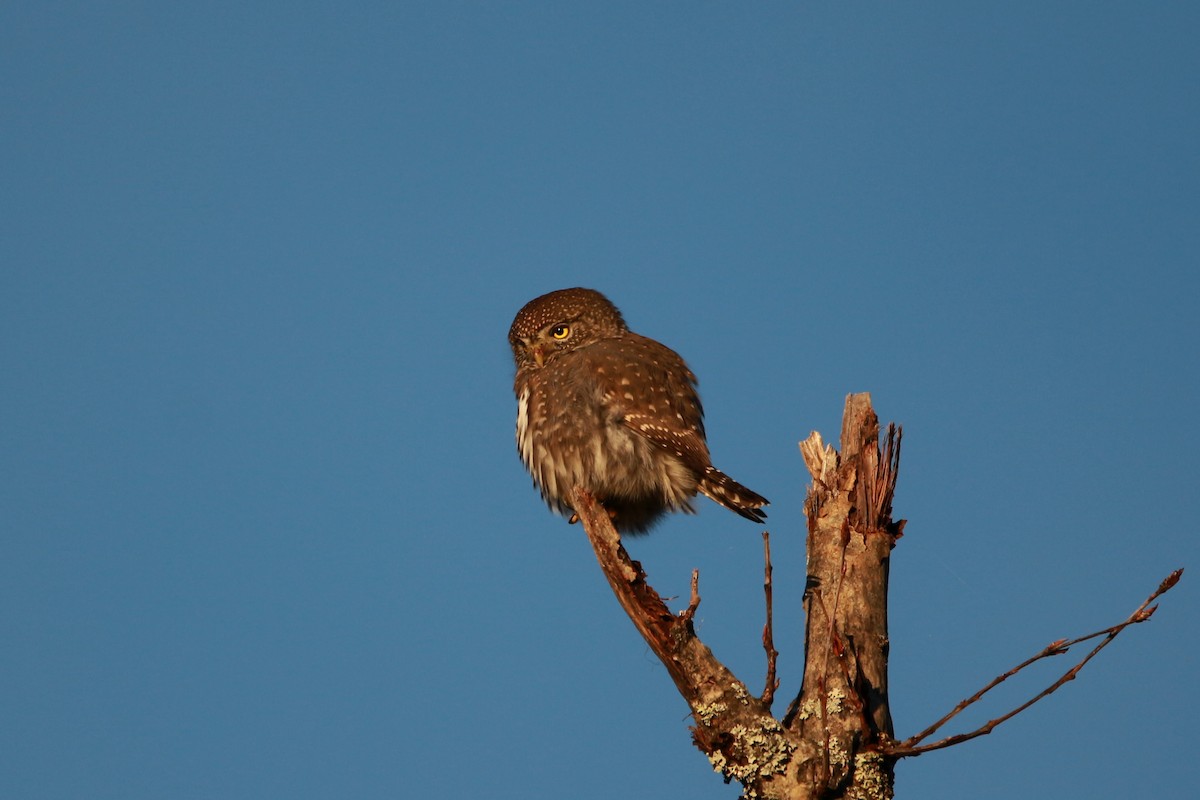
point(559, 322)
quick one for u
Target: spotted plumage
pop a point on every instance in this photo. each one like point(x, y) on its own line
point(602, 408)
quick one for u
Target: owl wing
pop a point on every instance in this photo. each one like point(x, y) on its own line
point(650, 390)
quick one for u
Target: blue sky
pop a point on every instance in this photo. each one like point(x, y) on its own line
point(264, 529)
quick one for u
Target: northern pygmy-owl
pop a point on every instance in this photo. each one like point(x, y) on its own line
point(602, 408)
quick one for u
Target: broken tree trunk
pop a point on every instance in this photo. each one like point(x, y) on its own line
point(844, 699)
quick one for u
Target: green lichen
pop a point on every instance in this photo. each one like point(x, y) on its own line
point(871, 780)
point(834, 704)
point(705, 713)
point(808, 710)
point(753, 752)
point(839, 759)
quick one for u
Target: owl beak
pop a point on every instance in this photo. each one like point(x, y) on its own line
point(539, 355)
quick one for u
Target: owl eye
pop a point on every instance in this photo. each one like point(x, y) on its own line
point(560, 332)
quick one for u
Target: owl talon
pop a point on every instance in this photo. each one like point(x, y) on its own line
point(575, 517)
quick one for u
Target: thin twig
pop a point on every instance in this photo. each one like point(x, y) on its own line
point(768, 637)
point(911, 746)
point(688, 613)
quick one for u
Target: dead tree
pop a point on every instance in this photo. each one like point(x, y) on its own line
point(835, 739)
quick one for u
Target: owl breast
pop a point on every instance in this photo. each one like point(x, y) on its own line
point(571, 433)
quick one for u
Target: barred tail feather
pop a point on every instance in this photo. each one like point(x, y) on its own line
point(724, 490)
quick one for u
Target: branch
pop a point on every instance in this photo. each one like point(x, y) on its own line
point(768, 637)
point(733, 728)
point(689, 613)
point(912, 746)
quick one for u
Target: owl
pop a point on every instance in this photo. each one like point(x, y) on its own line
point(602, 408)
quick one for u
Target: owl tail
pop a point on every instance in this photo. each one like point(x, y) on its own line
point(722, 489)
